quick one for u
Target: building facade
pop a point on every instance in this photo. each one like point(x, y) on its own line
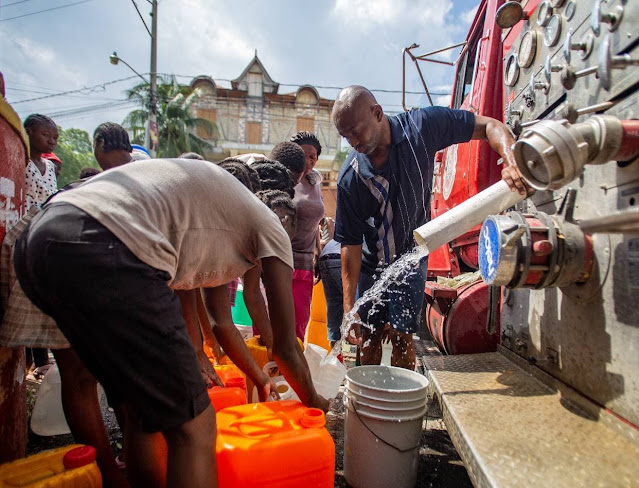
point(251, 117)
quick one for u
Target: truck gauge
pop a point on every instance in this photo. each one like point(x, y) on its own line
point(512, 70)
point(544, 13)
point(553, 31)
point(527, 49)
point(570, 10)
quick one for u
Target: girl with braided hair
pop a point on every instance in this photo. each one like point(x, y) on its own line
point(282, 205)
point(41, 180)
point(111, 145)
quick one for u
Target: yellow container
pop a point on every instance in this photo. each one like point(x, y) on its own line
point(66, 467)
point(317, 332)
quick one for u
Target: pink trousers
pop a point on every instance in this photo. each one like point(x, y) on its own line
point(302, 294)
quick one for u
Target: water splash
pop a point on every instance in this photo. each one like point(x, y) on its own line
point(393, 275)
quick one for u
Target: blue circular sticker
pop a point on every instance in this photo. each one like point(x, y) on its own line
point(489, 246)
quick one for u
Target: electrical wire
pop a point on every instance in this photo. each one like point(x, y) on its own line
point(89, 89)
point(15, 3)
point(376, 90)
point(46, 10)
point(141, 18)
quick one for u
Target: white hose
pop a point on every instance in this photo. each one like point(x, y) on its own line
point(462, 218)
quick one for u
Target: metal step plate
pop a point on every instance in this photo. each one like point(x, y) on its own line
point(513, 430)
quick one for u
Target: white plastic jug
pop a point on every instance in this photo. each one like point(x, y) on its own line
point(327, 372)
point(48, 417)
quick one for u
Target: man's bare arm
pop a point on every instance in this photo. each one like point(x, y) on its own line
point(501, 140)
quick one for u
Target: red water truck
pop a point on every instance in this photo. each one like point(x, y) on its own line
point(536, 368)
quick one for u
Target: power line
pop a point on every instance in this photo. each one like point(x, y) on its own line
point(16, 3)
point(377, 90)
point(79, 90)
point(141, 18)
point(45, 10)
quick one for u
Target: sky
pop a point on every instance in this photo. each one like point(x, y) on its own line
point(324, 43)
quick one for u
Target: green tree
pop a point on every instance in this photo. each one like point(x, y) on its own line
point(340, 157)
point(76, 152)
point(176, 125)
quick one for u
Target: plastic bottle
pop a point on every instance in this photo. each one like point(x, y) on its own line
point(48, 416)
point(327, 372)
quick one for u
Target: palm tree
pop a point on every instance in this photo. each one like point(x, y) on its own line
point(176, 126)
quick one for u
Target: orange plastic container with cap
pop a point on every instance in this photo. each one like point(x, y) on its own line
point(274, 445)
point(226, 397)
point(317, 331)
point(66, 467)
point(232, 377)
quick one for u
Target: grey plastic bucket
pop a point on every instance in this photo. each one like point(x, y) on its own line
point(382, 432)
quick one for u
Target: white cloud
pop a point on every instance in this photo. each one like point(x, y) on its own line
point(469, 15)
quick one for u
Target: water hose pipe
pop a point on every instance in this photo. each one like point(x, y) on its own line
point(462, 218)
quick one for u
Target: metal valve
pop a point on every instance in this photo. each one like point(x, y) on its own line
point(550, 68)
point(585, 46)
point(608, 62)
point(612, 18)
point(538, 85)
point(569, 75)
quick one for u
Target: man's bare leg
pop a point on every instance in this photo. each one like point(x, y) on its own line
point(145, 453)
point(192, 452)
point(371, 347)
point(83, 414)
point(403, 355)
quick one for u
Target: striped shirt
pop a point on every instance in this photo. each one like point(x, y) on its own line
point(381, 208)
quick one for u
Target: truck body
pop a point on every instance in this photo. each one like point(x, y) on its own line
point(550, 393)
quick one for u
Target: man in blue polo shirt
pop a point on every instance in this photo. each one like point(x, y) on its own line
point(383, 194)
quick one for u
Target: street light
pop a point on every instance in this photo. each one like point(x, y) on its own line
point(151, 137)
point(115, 59)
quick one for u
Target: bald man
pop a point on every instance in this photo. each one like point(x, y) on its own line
point(383, 194)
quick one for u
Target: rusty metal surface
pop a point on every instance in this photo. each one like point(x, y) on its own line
point(513, 430)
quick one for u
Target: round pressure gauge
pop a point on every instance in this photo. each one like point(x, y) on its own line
point(544, 13)
point(553, 31)
point(512, 70)
point(527, 49)
point(570, 10)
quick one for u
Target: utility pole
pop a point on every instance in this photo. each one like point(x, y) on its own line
point(152, 126)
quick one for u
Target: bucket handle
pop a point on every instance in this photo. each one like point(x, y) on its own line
point(354, 405)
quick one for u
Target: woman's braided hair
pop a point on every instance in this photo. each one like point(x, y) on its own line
point(274, 176)
point(113, 137)
point(243, 172)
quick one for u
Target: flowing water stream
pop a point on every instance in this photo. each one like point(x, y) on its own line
point(393, 275)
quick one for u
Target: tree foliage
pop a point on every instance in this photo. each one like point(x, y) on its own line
point(176, 125)
point(75, 150)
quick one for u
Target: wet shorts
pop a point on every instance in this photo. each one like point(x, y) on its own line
point(118, 313)
point(400, 304)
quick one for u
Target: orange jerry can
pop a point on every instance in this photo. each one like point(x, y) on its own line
point(317, 331)
point(226, 397)
point(66, 467)
point(274, 445)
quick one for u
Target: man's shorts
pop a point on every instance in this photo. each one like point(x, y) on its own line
point(400, 304)
point(118, 313)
